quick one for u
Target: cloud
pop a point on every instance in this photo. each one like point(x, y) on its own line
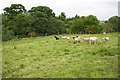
point(103, 9)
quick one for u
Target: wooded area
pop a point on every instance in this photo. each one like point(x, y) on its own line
point(17, 23)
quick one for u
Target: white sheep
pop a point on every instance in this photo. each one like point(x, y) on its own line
point(106, 38)
point(104, 32)
point(64, 37)
point(76, 39)
point(86, 39)
point(79, 37)
point(93, 40)
point(67, 38)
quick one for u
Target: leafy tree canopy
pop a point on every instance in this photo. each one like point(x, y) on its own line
point(43, 10)
point(14, 9)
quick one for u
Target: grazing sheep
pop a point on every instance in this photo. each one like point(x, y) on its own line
point(93, 40)
point(106, 38)
point(64, 37)
point(76, 39)
point(57, 38)
point(86, 39)
point(67, 38)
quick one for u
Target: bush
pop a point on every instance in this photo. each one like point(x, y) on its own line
point(32, 34)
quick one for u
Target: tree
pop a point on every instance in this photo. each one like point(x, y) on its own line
point(41, 16)
point(76, 16)
point(62, 16)
point(88, 24)
point(10, 20)
point(77, 26)
point(91, 20)
point(113, 22)
point(43, 10)
point(45, 22)
point(22, 25)
point(57, 26)
point(111, 25)
point(14, 9)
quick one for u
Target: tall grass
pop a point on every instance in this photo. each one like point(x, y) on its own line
point(45, 57)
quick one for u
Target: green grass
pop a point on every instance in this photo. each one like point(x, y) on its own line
point(45, 57)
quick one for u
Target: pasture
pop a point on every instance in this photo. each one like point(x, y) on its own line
point(45, 57)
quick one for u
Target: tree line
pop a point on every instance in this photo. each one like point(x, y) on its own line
point(17, 22)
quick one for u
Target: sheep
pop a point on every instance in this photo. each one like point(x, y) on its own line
point(86, 39)
point(104, 32)
point(57, 38)
point(63, 37)
point(93, 40)
point(106, 38)
point(76, 39)
point(67, 38)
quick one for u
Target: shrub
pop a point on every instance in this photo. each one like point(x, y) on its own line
point(32, 34)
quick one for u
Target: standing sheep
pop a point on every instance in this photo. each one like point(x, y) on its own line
point(76, 39)
point(86, 39)
point(106, 38)
point(93, 40)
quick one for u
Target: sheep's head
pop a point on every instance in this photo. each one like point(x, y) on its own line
point(73, 37)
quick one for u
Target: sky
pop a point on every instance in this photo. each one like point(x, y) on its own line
point(102, 9)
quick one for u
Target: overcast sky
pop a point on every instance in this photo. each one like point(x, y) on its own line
point(103, 9)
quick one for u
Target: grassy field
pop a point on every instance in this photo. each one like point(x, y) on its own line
point(45, 57)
